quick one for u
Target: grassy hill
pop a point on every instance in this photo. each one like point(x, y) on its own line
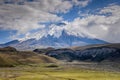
point(11, 57)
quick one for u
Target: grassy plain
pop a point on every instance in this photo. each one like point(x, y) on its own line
point(54, 72)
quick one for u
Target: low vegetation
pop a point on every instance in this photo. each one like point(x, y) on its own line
point(10, 57)
point(51, 65)
point(27, 65)
point(41, 72)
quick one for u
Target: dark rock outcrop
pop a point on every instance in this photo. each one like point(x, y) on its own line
point(96, 54)
point(43, 50)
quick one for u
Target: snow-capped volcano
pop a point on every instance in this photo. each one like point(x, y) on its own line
point(53, 39)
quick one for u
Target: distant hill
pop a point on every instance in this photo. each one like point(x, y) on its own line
point(115, 45)
point(10, 57)
point(94, 53)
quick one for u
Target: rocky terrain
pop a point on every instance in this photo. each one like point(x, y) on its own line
point(94, 53)
point(105, 56)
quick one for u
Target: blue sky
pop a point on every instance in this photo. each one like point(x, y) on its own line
point(26, 20)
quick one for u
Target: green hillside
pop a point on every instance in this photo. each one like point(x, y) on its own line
point(11, 57)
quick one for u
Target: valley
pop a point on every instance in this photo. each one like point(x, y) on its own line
point(59, 40)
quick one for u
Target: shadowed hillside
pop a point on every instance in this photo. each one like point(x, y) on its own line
point(103, 56)
point(95, 53)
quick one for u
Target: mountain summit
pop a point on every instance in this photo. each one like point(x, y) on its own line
point(63, 40)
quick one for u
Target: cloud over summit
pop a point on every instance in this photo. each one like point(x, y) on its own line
point(26, 16)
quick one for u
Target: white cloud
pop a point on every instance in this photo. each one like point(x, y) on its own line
point(25, 18)
point(82, 3)
point(93, 26)
point(24, 15)
point(105, 27)
point(54, 6)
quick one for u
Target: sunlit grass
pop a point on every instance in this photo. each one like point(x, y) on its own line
point(43, 72)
